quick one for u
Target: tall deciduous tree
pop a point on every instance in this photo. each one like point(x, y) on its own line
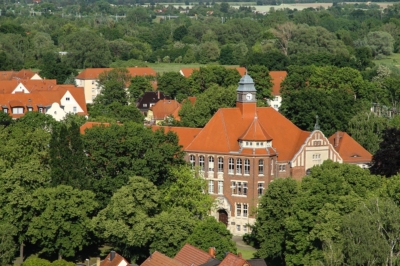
point(125, 222)
point(138, 86)
point(386, 160)
point(62, 221)
point(67, 157)
point(262, 81)
point(8, 246)
point(211, 233)
point(174, 84)
point(113, 84)
point(284, 33)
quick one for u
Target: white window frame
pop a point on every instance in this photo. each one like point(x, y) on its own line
point(211, 186)
point(239, 188)
point(74, 109)
point(220, 187)
point(220, 165)
point(17, 110)
point(201, 162)
point(282, 168)
point(316, 157)
point(192, 160)
point(231, 166)
point(260, 188)
point(245, 210)
point(238, 209)
point(5, 110)
point(238, 166)
point(261, 167)
point(210, 163)
point(246, 166)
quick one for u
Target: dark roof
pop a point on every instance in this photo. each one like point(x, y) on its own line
point(211, 262)
point(148, 98)
point(257, 262)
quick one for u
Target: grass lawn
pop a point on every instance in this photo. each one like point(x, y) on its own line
point(393, 60)
point(246, 253)
point(168, 67)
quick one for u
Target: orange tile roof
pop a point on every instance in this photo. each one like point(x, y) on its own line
point(93, 73)
point(24, 74)
point(255, 132)
point(115, 262)
point(6, 75)
point(277, 77)
point(8, 86)
point(231, 125)
point(43, 98)
point(164, 108)
point(88, 125)
point(349, 149)
point(185, 134)
point(192, 256)
point(233, 260)
point(187, 72)
point(159, 259)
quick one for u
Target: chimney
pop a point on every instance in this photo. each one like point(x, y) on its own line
point(112, 255)
point(211, 251)
point(98, 261)
point(240, 255)
point(337, 139)
point(158, 95)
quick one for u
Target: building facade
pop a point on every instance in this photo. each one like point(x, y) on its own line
point(243, 149)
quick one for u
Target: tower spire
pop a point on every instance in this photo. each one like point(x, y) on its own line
point(316, 126)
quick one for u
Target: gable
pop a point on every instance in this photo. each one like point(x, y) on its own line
point(20, 89)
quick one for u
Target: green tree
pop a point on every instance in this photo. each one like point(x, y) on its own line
point(52, 67)
point(262, 81)
point(120, 151)
point(185, 190)
point(380, 42)
point(139, 85)
point(376, 221)
point(62, 221)
point(206, 105)
point(226, 56)
point(189, 57)
point(113, 84)
point(269, 232)
point(386, 160)
point(67, 157)
point(5, 119)
point(8, 246)
point(125, 222)
point(180, 32)
point(202, 79)
point(32, 261)
point(171, 229)
point(208, 52)
point(173, 84)
point(62, 263)
point(87, 49)
point(211, 233)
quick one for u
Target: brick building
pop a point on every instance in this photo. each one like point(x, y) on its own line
point(242, 149)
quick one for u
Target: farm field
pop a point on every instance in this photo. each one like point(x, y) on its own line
point(175, 67)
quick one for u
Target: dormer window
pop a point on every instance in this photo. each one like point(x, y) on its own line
point(30, 109)
point(5, 110)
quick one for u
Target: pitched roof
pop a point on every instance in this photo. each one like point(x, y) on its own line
point(277, 78)
point(185, 134)
point(8, 86)
point(349, 149)
point(158, 259)
point(233, 260)
point(255, 132)
point(6, 75)
point(257, 262)
point(87, 125)
point(115, 262)
point(164, 108)
point(24, 74)
point(192, 256)
point(231, 125)
point(94, 73)
point(212, 262)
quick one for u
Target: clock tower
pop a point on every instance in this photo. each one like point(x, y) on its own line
point(246, 96)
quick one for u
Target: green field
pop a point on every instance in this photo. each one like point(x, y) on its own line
point(390, 61)
point(175, 67)
point(246, 253)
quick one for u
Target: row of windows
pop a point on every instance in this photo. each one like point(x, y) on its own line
point(231, 165)
point(238, 227)
point(20, 110)
point(239, 188)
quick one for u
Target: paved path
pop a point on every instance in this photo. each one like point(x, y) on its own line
point(241, 244)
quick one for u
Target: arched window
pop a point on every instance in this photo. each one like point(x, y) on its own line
point(239, 166)
point(220, 165)
point(246, 166)
point(231, 169)
point(201, 162)
point(261, 167)
point(211, 163)
point(192, 161)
